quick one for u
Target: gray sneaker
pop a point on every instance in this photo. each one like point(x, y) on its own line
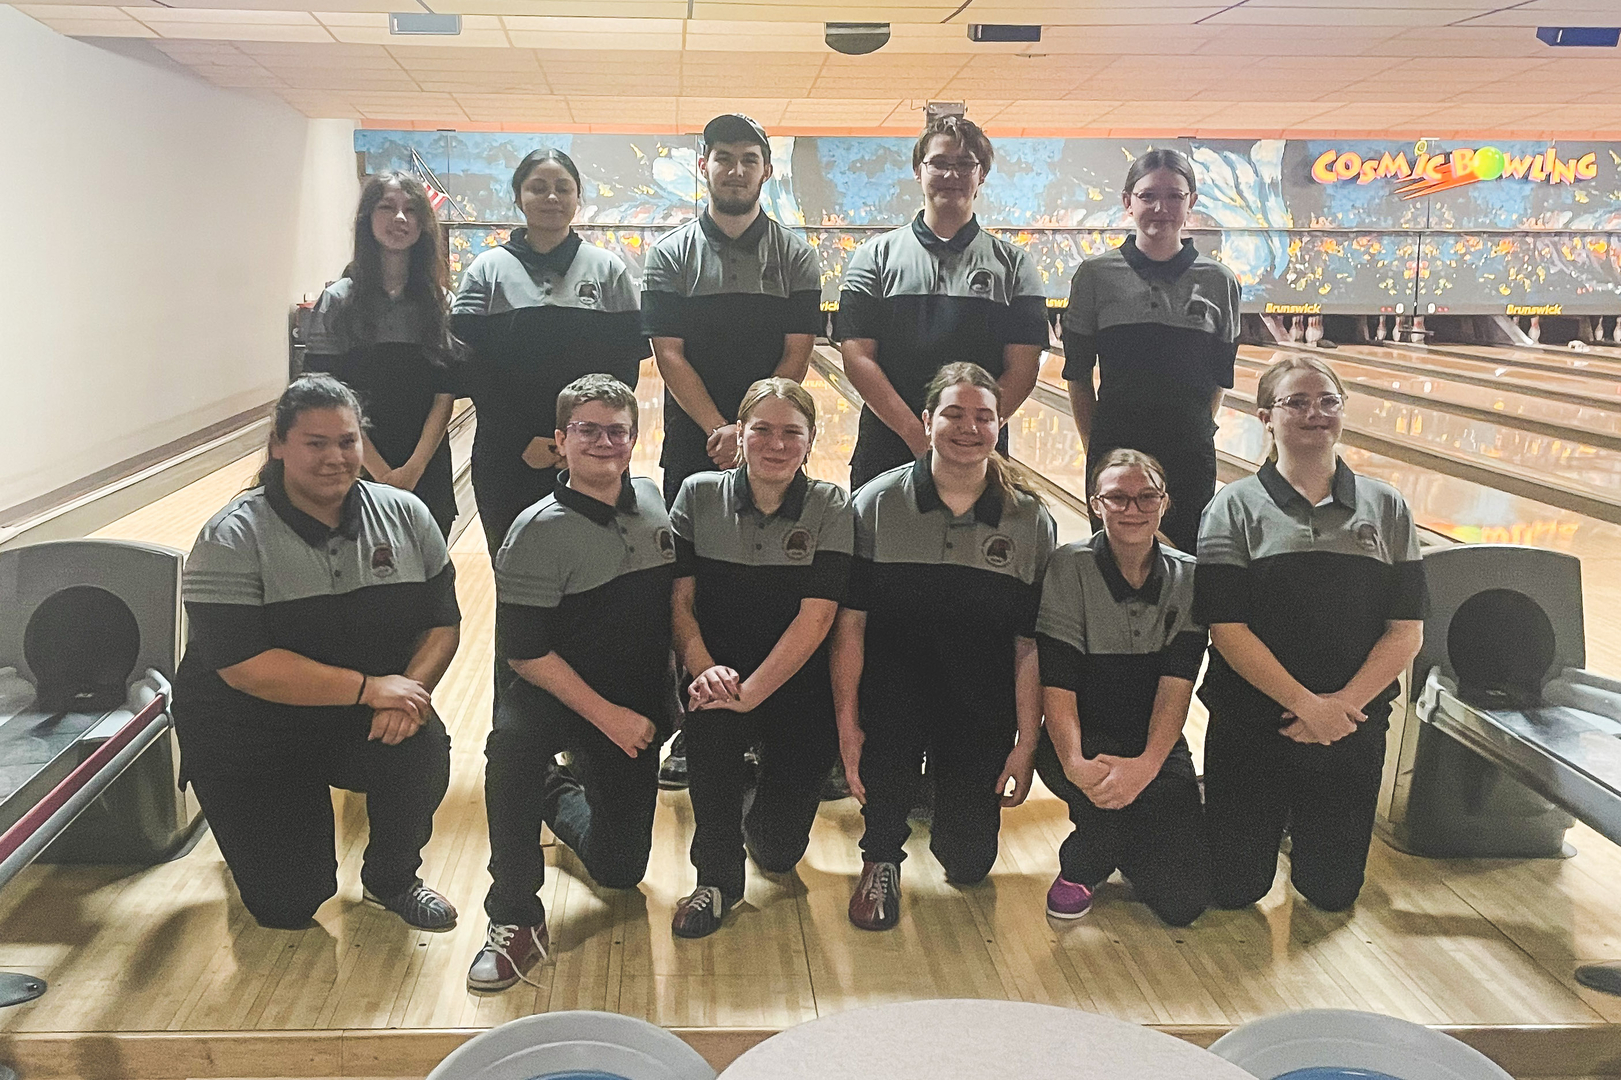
point(419, 906)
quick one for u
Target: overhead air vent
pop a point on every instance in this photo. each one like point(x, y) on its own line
point(855, 39)
point(423, 22)
point(1003, 32)
point(1589, 37)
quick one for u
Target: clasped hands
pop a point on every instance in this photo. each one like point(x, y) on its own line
point(400, 706)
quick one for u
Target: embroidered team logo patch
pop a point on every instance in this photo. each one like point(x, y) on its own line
point(979, 282)
point(797, 544)
point(666, 544)
point(589, 293)
point(382, 560)
point(1367, 536)
point(998, 550)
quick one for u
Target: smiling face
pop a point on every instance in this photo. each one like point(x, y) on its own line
point(950, 174)
point(735, 174)
point(1158, 204)
point(964, 426)
point(394, 220)
point(588, 443)
point(1129, 526)
point(775, 440)
point(1307, 431)
point(549, 198)
point(321, 456)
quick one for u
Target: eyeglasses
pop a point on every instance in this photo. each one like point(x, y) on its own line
point(589, 433)
point(938, 166)
point(1162, 198)
point(1145, 501)
point(1327, 404)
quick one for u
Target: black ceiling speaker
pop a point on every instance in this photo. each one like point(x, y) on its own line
point(856, 38)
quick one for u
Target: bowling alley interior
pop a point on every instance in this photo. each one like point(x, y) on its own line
point(318, 304)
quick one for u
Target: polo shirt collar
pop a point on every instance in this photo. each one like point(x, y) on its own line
point(599, 512)
point(987, 511)
point(557, 260)
point(1119, 588)
point(1169, 270)
point(741, 495)
point(749, 237)
point(934, 245)
point(1342, 491)
point(311, 530)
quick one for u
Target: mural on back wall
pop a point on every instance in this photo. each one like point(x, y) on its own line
point(1308, 226)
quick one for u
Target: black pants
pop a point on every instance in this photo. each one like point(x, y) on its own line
point(504, 492)
point(606, 819)
point(1190, 480)
point(878, 449)
point(1158, 841)
point(273, 817)
point(680, 458)
point(904, 717)
point(797, 747)
point(436, 488)
point(1257, 782)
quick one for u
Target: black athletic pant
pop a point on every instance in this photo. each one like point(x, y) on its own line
point(1257, 782)
point(878, 449)
point(903, 716)
point(1157, 842)
point(606, 818)
point(798, 744)
point(272, 817)
point(1190, 480)
point(504, 492)
point(680, 458)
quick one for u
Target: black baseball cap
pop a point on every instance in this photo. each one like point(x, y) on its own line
point(736, 128)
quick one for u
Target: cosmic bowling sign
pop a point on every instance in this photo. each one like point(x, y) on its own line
point(1432, 173)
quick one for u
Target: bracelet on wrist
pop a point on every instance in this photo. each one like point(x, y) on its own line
point(361, 696)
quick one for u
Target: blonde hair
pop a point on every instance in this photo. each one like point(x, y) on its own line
point(1266, 390)
point(1008, 477)
point(1125, 458)
point(785, 389)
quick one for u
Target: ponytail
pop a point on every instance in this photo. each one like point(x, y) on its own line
point(1010, 479)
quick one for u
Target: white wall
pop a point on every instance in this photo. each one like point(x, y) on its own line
point(157, 229)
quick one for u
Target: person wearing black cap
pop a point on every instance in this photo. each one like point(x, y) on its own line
point(384, 328)
point(538, 312)
point(1159, 322)
point(938, 291)
point(728, 299)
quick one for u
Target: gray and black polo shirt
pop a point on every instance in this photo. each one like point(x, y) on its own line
point(731, 302)
point(929, 302)
point(1164, 334)
point(753, 569)
point(536, 323)
point(591, 582)
point(265, 575)
point(1110, 644)
point(1315, 583)
point(947, 593)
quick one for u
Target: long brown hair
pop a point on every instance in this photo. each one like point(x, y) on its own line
point(1266, 389)
point(428, 281)
point(1007, 477)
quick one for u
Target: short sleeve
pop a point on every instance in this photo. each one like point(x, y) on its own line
point(1183, 654)
point(665, 305)
point(223, 588)
point(686, 539)
point(865, 547)
point(1025, 320)
point(1223, 580)
point(1081, 326)
point(1046, 541)
point(862, 311)
point(1408, 589)
point(441, 606)
point(1061, 621)
point(528, 590)
point(477, 290)
point(835, 546)
point(322, 334)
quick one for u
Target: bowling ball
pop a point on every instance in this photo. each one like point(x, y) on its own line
point(1489, 163)
point(1334, 1072)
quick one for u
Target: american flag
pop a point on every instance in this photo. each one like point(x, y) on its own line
point(436, 195)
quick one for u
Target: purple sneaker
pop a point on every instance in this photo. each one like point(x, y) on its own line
point(1067, 900)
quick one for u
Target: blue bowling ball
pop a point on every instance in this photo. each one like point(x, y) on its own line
point(1334, 1072)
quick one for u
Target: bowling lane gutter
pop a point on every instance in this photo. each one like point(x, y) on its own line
point(1501, 419)
point(1570, 397)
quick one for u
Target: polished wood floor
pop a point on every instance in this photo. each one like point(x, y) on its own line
point(170, 948)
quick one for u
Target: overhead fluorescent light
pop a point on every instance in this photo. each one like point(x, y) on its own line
point(423, 22)
point(1003, 32)
point(1592, 37)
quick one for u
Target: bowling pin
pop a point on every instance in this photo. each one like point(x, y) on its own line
point(1536, 328)
point(1418, 335)
point(1615, 331)
point(1382, 332)
point(1314, 330)
point(1297, 328)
